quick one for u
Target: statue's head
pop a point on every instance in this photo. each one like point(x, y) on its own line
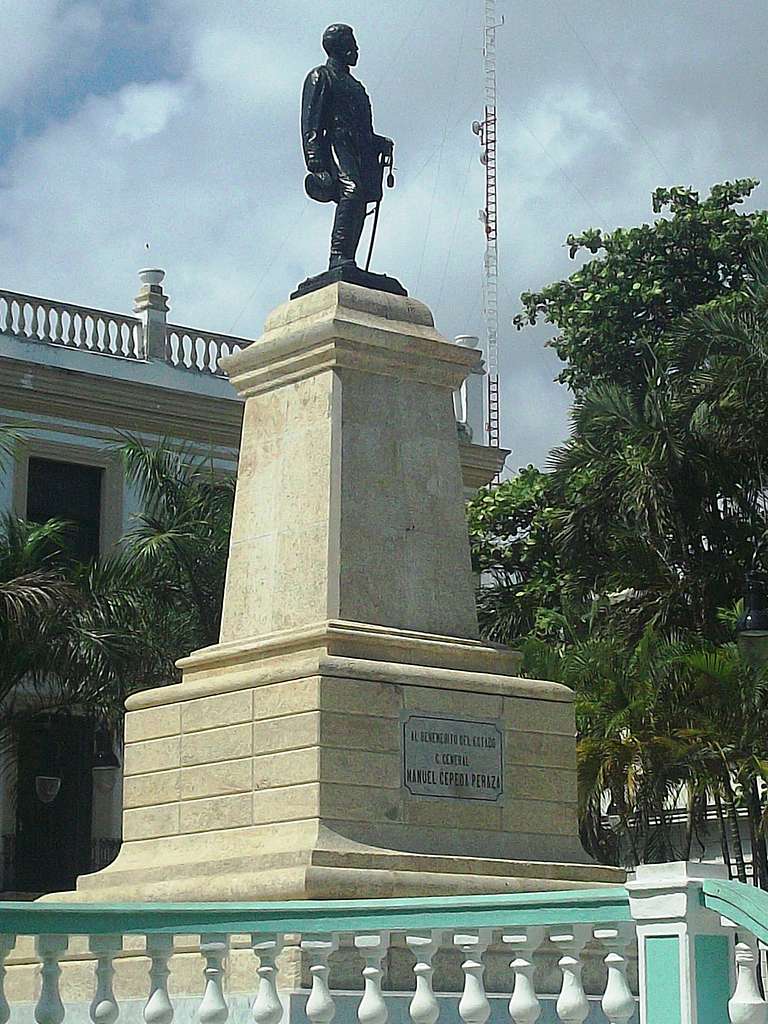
point(339, 43)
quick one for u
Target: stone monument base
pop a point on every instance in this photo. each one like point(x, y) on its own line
point(275, 771)
point(351, 274)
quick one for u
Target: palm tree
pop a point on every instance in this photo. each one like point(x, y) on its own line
point(631, 750)
point(179, 544)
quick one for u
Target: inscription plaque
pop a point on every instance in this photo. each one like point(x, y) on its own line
point(453, 758)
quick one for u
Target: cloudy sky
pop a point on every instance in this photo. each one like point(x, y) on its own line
point(173, 123)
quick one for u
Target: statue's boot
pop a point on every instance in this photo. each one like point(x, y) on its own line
point(347, 229)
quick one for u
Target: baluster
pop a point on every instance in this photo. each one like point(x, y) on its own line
point(24, 311)
point(474, 1007)
point(746, 1005)
point(618, 1002)
point(104, 1008)
point(572, 1005)
point(70, 339)
point(50, 949)
point(30, 327)
point(213, 1006)
point(320, 1008)
point(58, 334)
point(424, 1008)
point(267, 1008)
point(45, 334)
point(8, 318)
point(524, 1005)
point(158, 1009)
point(83, 331)
point(373, 948)
point(7, 942)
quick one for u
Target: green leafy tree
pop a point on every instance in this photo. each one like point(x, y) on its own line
point(613, 313)
point(514, 549)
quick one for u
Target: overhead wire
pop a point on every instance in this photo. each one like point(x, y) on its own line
point(627, 113)
point(441, 149)
point(560, 169)
point(454, 233)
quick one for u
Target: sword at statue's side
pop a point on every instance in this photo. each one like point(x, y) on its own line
point(387, 161)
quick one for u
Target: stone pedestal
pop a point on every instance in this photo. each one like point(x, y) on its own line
point(350, 736)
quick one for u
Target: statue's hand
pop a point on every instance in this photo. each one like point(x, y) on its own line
point(387, 145)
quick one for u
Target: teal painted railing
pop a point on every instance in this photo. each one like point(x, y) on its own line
point(743, 904)
point(547, 951)
point(588, 906)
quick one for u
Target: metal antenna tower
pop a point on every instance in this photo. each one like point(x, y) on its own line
point(486, 130)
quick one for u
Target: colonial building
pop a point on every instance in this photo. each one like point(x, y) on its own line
point(72, 380)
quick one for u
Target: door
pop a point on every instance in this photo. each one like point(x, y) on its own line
point(53, 840)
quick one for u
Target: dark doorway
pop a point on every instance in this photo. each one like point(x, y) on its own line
point(53, 840)
point(70, 491)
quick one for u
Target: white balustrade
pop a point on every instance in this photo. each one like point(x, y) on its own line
point(104, 1008)
point(320, 1008)
point(373, 948)
point(7, 942)
point(50, 949)
point(213, 1006)
point(50, 322)
point(424, 1007)
point(190, 349)
point(522, 945)
point(158, 1008)
point(524, 1005)
point(474, 1007)
point(747, 1006)
point(572, 1005)
point(60, 323)
point(267, 1008)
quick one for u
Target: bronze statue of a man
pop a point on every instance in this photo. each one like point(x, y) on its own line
point(344, 156)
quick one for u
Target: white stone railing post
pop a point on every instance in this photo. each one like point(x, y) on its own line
point(618, 1003)
point(320, 1008)
point(104, 1008)
point(50, 949)
point(423, 1007)
point(158, 1009)
point(213, 1007)
point(7, 942)
point(685, 954)
point(151, 305)
point(524, 1006)
point(373, 948)
point(746, 1005)
point(572, 1006)
point(474, 1007)
point(267, 1008)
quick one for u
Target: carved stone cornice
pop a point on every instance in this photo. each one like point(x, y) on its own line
point(53, 391)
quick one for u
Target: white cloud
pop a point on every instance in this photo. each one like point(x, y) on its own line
point(200, 157)
point(145, 110)
point(42, 39)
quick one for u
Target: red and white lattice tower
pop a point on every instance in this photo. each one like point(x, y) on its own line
point(486, 130)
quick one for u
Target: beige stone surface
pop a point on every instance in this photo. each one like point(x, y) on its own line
point(151, 789)
point(349, 468)
point(318, 808)
point(273, 770)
